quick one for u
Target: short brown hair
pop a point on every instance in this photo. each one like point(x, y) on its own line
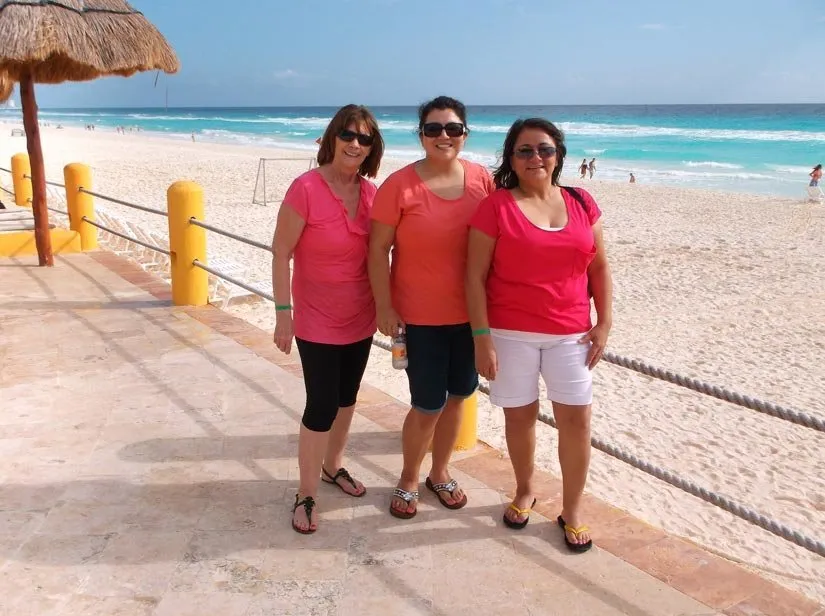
point(345, 116)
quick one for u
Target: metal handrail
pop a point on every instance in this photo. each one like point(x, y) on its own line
point(127, 237)
point(144, 208)
point(230, 235)
point(233, 280)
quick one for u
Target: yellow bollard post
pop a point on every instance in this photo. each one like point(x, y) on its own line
point(78, 175)
point(187, 242)
point(21, 173)
point(468, 430)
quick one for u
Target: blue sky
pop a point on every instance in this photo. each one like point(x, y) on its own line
point(398, 52)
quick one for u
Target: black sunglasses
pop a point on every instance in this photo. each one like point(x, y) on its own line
point(544, 152)
point(350, 136)
point(434, 129)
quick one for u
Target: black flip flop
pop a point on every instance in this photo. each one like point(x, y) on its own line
point(341, 473)
point(578, 548)
point(308, 504)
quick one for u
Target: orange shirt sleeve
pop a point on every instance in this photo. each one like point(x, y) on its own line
point(386, 208)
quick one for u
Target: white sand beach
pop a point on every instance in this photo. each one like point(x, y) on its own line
point(729, 288)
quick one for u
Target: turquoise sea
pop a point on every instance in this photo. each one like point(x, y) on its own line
point(768, 149)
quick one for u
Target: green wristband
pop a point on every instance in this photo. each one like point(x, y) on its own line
point(278, 308)
point(481, 332)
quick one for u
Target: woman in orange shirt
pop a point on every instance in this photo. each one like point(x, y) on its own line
point(422, 212)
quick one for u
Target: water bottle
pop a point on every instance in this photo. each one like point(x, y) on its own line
point(399, 350)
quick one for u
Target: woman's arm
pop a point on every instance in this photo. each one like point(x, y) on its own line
point(601, 282)
point(480, 249)
point(601, 285)
point(288, 232)
point(382, 237)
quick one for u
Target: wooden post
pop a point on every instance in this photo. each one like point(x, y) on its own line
point(42, 238)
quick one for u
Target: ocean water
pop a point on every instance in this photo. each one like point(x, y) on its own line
point(767, 149)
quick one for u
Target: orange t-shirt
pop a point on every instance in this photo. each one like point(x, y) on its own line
point(429, 255)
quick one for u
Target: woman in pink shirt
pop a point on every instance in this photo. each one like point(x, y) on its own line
point(323, 224)
point(535, 254)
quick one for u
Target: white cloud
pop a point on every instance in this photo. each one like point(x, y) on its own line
point(285, 74)
point(652, 26)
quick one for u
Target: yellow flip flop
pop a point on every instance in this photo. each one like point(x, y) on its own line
point(574, 547)
point(519, 525)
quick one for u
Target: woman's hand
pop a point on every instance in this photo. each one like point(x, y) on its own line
point(389, 321)
point(597, 338)
point(486, 358)
point(283, 332)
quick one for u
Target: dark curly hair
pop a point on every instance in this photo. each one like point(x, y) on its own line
point(504, 176)
point(442, 103)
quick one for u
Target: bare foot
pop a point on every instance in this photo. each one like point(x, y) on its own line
point(402, 506)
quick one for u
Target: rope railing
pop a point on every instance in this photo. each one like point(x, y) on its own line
point(55, 210)
point(229, 234)
point(6, 170)
point(233, 280)
point(7, 191)
point(716, 391)
point(127, 237)
point(723, 502)
point(48, 182)
point(144, 208)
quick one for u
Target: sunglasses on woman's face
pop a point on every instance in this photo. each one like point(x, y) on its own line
point(544, 152)
point(434, 129)
point(349, 136)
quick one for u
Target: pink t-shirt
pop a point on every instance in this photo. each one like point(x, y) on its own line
point(331, 295)
point(538, 278)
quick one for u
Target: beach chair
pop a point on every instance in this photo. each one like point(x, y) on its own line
point(815, 194)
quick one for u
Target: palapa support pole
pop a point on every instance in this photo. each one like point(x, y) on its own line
point(41, 215)
point(187, 242)
point(81, 205)
point(21, 172)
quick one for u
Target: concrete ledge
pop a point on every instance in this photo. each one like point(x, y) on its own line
point(21, 243)
point(678, 563)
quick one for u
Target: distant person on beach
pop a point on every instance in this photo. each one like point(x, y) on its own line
point(632, 179)
point(535, 255)
point(592, 167)
point(422, 213)
point(583, 169)
point(815, 175)
point(323, 224)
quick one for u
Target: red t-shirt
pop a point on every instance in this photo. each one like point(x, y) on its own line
point(538, 278)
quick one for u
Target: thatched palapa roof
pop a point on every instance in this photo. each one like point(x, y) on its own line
point(78, 40)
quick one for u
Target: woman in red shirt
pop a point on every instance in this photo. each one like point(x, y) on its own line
point(535, 254)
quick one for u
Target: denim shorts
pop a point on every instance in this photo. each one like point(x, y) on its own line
point(441, 363)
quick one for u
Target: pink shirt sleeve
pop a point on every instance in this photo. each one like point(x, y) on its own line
point(386, 206)
point(592, 209)
point(486, 217)
point(297, 198)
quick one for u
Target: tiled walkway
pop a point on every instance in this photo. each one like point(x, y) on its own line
point(147, 467)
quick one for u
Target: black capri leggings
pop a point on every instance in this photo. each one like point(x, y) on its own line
point(332, 377)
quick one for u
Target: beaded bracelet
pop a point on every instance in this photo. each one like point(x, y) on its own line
point(481, 332)
point(283, 307)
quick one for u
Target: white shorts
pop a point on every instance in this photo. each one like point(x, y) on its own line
point(561, 361)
